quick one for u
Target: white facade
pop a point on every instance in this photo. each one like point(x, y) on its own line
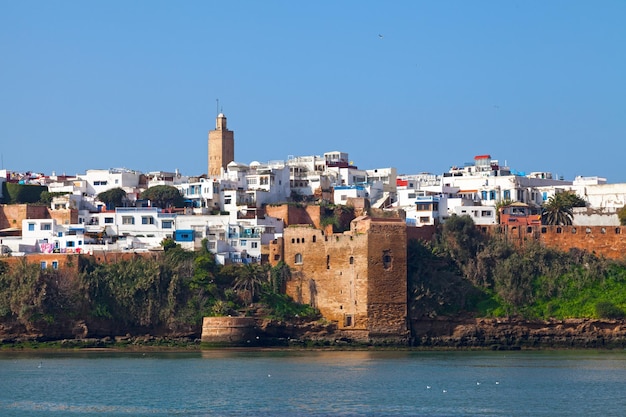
point(100, 180)
point(46, 236)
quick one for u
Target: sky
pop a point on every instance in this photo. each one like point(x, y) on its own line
point(416, 85)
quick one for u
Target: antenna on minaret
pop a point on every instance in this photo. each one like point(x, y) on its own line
point(217, 106)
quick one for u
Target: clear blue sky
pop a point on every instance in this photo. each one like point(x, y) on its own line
point(104, 84)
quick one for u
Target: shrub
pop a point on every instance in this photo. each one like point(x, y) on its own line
point(608, 310)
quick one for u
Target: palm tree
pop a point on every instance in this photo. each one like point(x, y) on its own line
point(558, 210)
point(248, 281)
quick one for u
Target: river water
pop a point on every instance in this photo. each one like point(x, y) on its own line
point(313, 383)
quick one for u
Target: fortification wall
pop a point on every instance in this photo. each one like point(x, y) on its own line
point(330, 273)
point(387, 272)
point(292, 215)
point(63, 261)
point(356, 279)
point(609, 242)
point(11, 215)
point(228, 330)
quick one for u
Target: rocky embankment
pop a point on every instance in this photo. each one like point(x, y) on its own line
point(439, 332)
point(515, 333)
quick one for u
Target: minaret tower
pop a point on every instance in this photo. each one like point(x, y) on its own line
point(221, 146)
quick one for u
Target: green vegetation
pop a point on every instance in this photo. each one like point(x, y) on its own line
point(558, 209)
point(22, 193)
point(338, 216)
point(621, 214)
point(165, 294)
point(164, 196)
point(112, 198)
point(46, 197)
point(464, 271)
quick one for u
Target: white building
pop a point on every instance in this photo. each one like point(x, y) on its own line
point(46, 236)
point(100, 180)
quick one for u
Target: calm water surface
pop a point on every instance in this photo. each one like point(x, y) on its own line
point(288, 383)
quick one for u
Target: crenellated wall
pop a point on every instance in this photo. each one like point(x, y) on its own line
point(607, 241)
point(356, 279)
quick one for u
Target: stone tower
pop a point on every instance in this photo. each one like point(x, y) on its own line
point(221, 146)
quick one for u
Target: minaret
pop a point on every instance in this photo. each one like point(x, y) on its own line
point(221, 146)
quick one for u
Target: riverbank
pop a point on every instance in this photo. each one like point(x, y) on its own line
point(514, 333)
point(441, 333)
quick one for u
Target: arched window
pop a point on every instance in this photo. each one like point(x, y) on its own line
point(298, 258)
point(351, 260)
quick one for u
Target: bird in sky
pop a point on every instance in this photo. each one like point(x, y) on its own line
point(380, 36)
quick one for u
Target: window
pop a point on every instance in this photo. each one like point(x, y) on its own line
point(108, 220)
point(387, 259)
point(348, 320)
point(243, 242)
point(70, 244)
point(352, 260)
point(44, 265)
point(227, 200)
point(166, 224)
point(298, 258)
point(128, 220)
point(254, 245)
point(46, 226)
point(211, 245)
point(507, 194)
point(492, 195)
point(147, 220)
point(483, 195)
point(55, 264)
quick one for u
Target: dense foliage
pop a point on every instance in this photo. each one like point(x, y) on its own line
point(115, 197)
point(164, 196)
point(167, 294)
point(558, 210)
point(466, 271)
point(621, 214)
point(15, 193)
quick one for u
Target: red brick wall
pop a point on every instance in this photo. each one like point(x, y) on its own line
point(606, 241)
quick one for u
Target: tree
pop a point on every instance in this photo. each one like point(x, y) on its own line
point(558, 210)
point(460, 238)
point(501, 204)
point(114, 197)
point(164, 196)
point(248, 281)
point(621, 214)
